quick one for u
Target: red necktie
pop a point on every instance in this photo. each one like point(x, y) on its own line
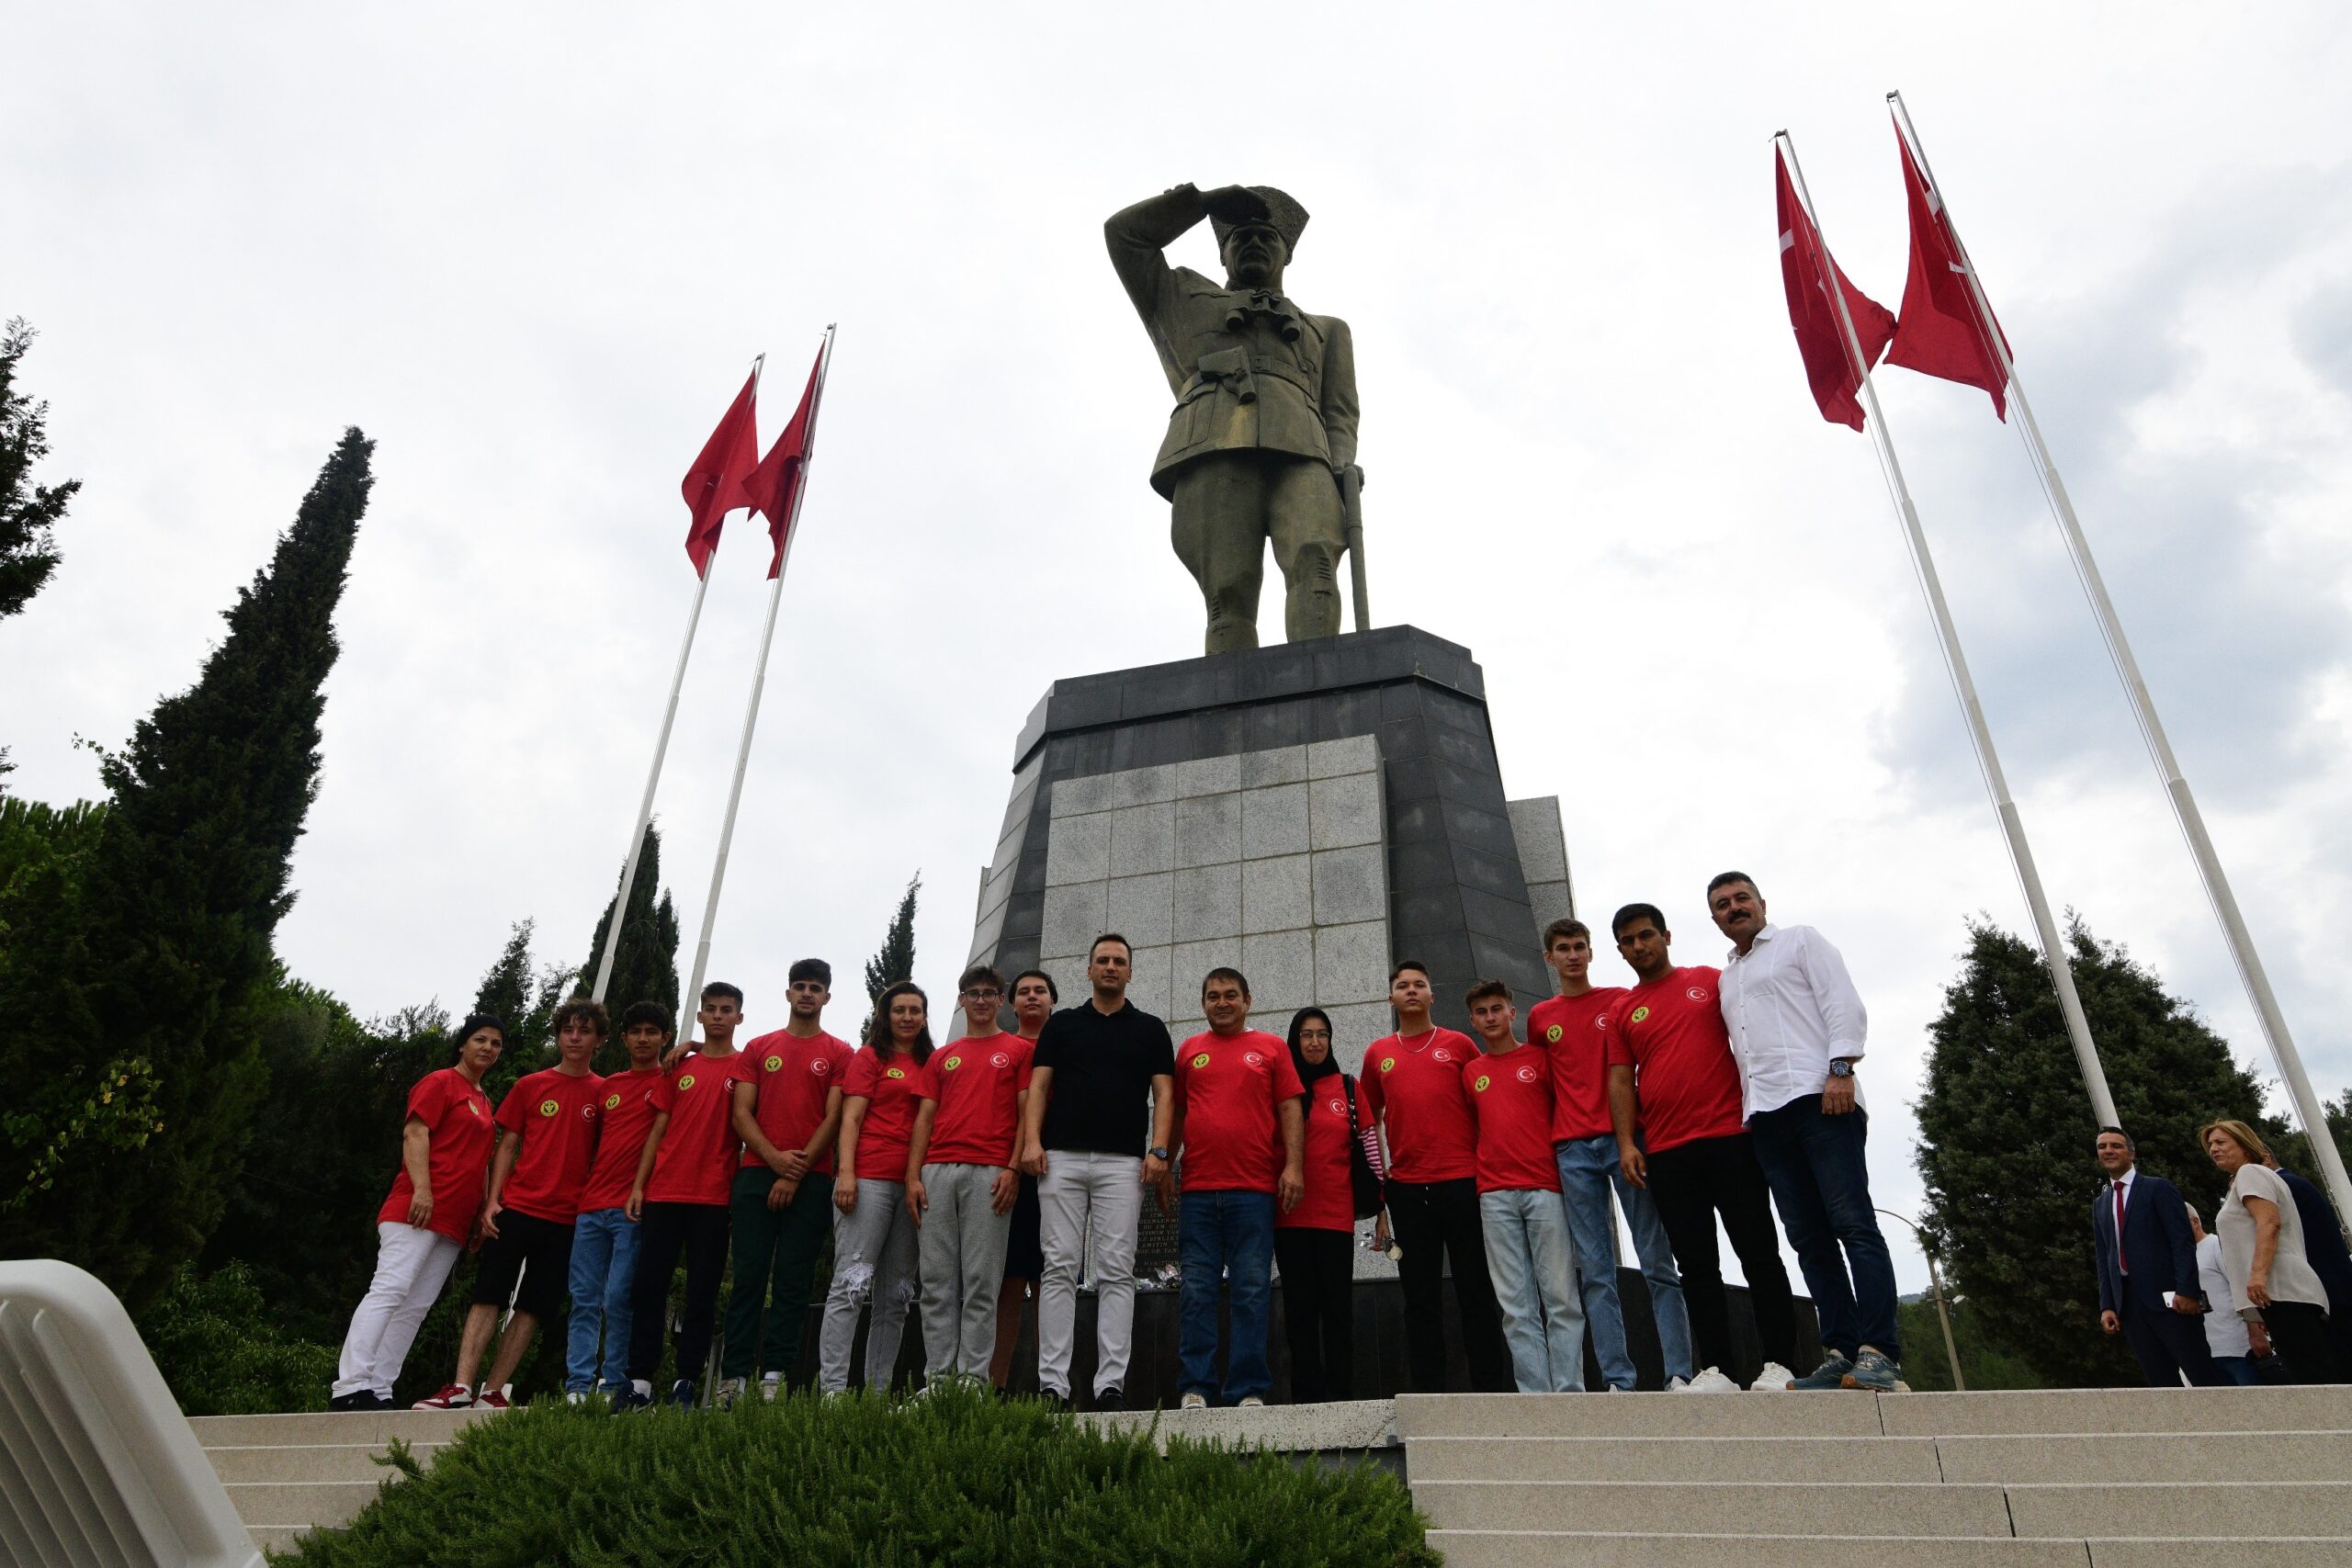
point(2122, 1263)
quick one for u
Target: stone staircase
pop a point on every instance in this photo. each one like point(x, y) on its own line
point(291, 1473)
point(2107, 1478)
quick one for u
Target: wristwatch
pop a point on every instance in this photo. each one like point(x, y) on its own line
point(1841, 1068)
point(1156, 1153)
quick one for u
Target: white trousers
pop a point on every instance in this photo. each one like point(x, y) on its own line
point(411, 1264)
point(1093, 1201)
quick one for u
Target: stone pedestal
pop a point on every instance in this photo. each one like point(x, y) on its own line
point(1307, 814)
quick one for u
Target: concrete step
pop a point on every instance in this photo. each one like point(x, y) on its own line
point(1772, 1508)
point(305, 1505)
point(332, 1427)
point(1539, 1549)
point(2044, 1411)
point(2183, 1510)
point(1670, 1458)
point(2265, 1552)
point(2186, 1458)
point(1637, 1416)
point(319, 1461)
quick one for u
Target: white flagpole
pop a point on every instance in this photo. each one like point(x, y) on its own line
point(2054, 948)
point(2309, 1110)
point(660, 750)
point(692, 1000)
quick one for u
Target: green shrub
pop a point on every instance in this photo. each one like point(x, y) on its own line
point(959, 1478)
point(222, 1352)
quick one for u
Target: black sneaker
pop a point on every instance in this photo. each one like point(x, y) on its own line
point(627, 1399)
point(1056, 1403)
point(363, 1399)
point(1110, 1399)
point(682, 1393)
point(380, 1402)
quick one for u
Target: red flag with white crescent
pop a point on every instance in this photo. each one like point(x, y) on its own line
point(1941, 333)
point(774, 488)
point(1829, 366)
point(714, 485)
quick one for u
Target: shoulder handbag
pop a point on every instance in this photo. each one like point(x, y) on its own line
point(1366, 1182)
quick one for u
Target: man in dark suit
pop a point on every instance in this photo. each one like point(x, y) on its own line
point(2148, 1270)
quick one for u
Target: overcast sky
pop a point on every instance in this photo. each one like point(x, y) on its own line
point(531, 251)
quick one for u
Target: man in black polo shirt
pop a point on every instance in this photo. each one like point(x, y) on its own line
point(1082, 1138)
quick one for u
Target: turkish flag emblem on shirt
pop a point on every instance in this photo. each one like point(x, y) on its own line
point(1829, 366)
point(1941, 333)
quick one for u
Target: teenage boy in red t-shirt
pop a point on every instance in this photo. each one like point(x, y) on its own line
point(788, 1109)
point(1674, 1099)
point(1528, 1251)
point(1243, 1135)
point(549, 1118)
point(603, 1238)
point(1035, 997)
point(1411, 1086)
point(960, 1180)
point(426, 1220)
point(683, 1179)
point(1571, 1028)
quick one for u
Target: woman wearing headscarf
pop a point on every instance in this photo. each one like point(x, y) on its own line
point(1314, 1243)
point(2272, 1282)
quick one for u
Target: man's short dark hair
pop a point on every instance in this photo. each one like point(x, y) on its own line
point(2120, 1132)
point(1560, 930)
point(722, 988)
point(653, 1014)
point(1483, 990)
point(1631, 912)
point(980, 974)
point(1110, 936)
point(1224, 972)
point(583, 1007)
point(1415, 964)
point(1053, 992)
point(815, 969)
point(1723, 878)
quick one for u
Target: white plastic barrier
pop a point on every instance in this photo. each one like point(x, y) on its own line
point(97, 1467)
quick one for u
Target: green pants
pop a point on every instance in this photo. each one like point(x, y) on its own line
point(775, 1257)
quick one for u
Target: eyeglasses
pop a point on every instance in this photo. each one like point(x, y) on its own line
point(982, 996)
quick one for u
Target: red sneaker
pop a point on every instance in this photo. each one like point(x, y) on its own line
point(453, 1396)
point(493, 1399)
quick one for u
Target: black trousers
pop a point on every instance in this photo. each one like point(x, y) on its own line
point(2168, 1343)
point(1319, 1312)
point(1693, 1183)
point(699, 1231)
point(1436, 1221)
point(2299, 1332)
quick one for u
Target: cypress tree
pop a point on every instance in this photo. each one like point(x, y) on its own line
point(524, 997)
point(645, 967)
point(896, 962)
point(162, 959)
point(28, 513)
point(2006, 1128)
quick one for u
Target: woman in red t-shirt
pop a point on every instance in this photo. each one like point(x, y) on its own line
point(426, 1220)
point(874, 1237)
point(1314, 1243)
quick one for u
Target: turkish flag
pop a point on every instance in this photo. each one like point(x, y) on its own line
point(1829, 368)
point(1941, 333)
point(774, 488)
point(714, 486)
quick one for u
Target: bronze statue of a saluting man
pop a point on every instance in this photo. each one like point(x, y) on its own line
point(1262, 441)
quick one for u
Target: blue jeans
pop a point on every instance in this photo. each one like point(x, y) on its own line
point(603, 1268)
point(1231, 1233)
point(2237, 1371)
point(1587, 1169)
point(1821, 1184)
point(1533, 1266)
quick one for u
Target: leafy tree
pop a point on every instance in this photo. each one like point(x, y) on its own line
point(2006, 1128)
point(645, 968)
point(28, 513)
point(157, 950)
point(896, 962)
point(2294, 1150)
point(225, 1352)
point(1926, 1367)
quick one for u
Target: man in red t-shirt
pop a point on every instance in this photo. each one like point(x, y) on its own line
point(1571, 1028)
point(1035, 997)
point(549, 1118)
point(1674, 1098)
point(1528, 1251)
point(1412, 1087)
point(683, 1180)
point(961, 1183)
point(787, 1109)
point(426, 1220)
point(1243, 1135)
point(603, 1238)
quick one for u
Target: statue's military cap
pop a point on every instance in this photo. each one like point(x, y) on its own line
point(1286, 215)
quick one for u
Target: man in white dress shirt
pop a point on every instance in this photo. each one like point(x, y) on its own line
point(1796, 1029)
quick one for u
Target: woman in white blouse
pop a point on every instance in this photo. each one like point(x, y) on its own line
point(2262, 1250)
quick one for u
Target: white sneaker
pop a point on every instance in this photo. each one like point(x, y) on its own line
point(1711, 1380)
point(1677, 1385)
point(1252, 1402)
point(1193, 1402)
point(1774, 1379)
point(730, 1391)
point(771, 1387)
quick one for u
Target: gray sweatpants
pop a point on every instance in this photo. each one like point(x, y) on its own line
point(874, 1259)
point(963, 1270)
